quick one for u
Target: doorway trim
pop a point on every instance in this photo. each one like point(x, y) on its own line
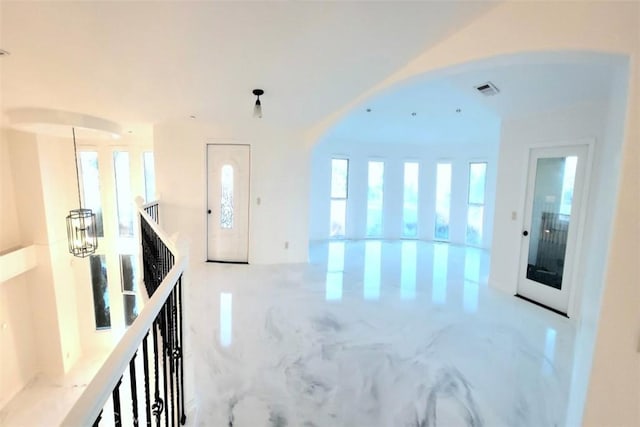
point(574, 308)
point(225, 142)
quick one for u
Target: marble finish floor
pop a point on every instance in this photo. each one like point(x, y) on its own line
point(374, 334)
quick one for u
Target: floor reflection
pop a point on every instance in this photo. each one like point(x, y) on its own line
point(408, 269)
point(440, 262)
point(470, 296)
point(549, 351)
point(472, 264)
point(333, 289)
point(372, 254)
point(225, 319)
point(471, 279)
point(335, 257)
point(335, 271)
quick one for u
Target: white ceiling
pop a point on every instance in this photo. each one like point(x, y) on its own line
point(526, 88)
point(148, 62)
point(153, 61)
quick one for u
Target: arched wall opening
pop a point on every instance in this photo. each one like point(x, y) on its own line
point(440, 117)
point(545, 99)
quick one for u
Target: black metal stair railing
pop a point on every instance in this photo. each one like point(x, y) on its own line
point(153, 211)
point(159, 364)
point(158, 259)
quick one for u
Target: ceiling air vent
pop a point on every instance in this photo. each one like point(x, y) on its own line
point(487, 89)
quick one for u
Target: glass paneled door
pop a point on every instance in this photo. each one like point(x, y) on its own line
point(552, 224)
point(228, 202)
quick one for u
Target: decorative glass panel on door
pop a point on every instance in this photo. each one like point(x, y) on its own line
point(226, 201)
point(551, 215)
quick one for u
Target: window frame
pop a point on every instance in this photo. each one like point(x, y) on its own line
point(152, 169)
point(435, 209)
point(382, 216)
point(134, 281)
point(419, 167)
point(118, 192)
point(101, 226)
point(476, 204)
point(333, 198)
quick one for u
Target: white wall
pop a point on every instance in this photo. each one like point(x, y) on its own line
point(279, 178)
point(394, 156)
point(18, 360)
point(614, 385)
point(25, 162)
point(56, 160)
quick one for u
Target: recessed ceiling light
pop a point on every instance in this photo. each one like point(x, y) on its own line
point(192, 117)
point(414, 114)
point(130, 131)
point(458, 110)
point(4, 52)
point(368, 110)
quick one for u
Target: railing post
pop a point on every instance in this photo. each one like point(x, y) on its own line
point(117, 412)
point(158, 405)
point(134, 391)
point(147, 400)
point(183, 416)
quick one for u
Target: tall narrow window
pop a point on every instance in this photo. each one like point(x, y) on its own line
point(339, 192)
point(123, 193)
point(90, 181)
point(375, 199)
point(100, 287)
point(475, 208)
point(226, 198)
point(410, 206)
point(443, 200)
point(128, 280)
point(149, 176)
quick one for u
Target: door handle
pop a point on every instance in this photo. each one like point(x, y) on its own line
point(209, 211)
point(525, 233)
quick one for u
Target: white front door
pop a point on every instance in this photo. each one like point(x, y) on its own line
point(228, 169)
point(552, 221)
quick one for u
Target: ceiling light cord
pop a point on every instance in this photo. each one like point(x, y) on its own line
point(75, 156)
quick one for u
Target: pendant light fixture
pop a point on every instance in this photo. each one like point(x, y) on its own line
point(257, 108)
point(81, 223)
